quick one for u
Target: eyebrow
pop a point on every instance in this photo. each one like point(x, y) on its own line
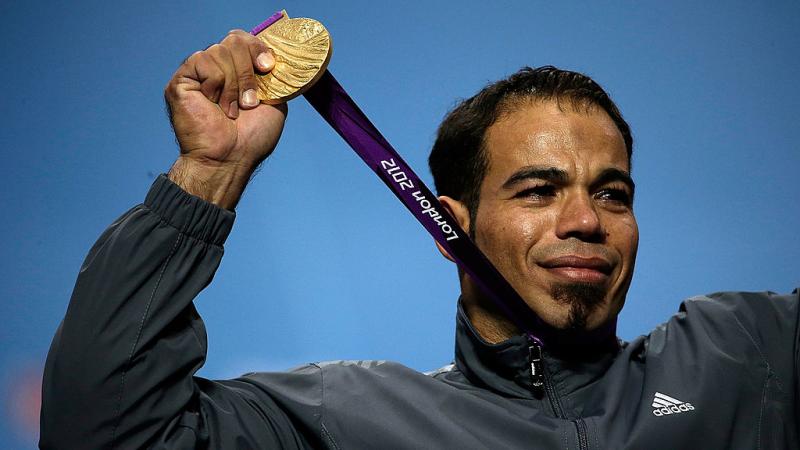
point(614, 174)
point(551, 174)
point(558, 176)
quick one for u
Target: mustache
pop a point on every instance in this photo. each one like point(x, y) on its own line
point(574, 247)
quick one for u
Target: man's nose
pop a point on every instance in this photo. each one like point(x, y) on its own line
point(578, 218)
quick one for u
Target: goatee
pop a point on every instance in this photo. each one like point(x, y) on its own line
point(581, 298)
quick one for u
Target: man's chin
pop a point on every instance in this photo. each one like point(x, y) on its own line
point(581, 305)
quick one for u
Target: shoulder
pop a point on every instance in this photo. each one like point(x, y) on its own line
point(343, 381)
point(753, 311)
point(370, 371)
point(748, 318)
point(353, 364)
point(765, 322)
point(346, 372)
point(442, 371)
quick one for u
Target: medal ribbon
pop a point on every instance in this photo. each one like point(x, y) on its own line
point(332, 102)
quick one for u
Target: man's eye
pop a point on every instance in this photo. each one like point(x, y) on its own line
point(545, 190)
point(615, 195)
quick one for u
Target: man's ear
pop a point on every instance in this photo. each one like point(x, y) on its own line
point(459, 212)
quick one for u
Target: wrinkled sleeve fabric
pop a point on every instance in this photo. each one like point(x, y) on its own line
point(772, 322)
point(120, 370)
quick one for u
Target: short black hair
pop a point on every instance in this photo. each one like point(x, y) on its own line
point(458, 160)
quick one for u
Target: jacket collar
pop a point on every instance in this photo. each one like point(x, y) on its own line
point(505, 367)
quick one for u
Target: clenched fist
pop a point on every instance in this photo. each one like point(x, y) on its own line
point(223, 131)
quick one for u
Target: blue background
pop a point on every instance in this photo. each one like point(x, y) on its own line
point(323, 262)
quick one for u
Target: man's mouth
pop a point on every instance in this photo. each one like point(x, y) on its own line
point(578, 268)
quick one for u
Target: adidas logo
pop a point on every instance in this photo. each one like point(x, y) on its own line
point(665, 405)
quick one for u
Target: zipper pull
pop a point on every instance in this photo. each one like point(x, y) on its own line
point(537, 370)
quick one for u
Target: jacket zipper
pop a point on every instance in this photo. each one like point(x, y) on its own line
point(541, 384)
point(583, 434)
point(540, 380)
point(537, 370)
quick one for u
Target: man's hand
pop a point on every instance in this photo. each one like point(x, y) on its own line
point(223, 131)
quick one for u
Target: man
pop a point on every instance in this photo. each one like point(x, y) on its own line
point(537, 169)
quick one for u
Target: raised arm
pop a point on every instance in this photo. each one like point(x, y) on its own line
point(119, 373)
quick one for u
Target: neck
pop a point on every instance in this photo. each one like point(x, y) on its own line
point(492, 325)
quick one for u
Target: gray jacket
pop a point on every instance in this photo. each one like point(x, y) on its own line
point(720, 374)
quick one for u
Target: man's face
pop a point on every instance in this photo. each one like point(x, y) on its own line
point(555, 213)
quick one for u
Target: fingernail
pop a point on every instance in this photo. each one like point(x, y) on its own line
point(249, 98)
point(266, 60)
point(233, 109)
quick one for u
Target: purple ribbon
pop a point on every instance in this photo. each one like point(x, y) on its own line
point(341, 112)
point(263, 25)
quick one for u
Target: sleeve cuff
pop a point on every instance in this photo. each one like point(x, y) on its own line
point(189, 214)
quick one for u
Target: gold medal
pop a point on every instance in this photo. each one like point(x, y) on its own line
point(302, 49)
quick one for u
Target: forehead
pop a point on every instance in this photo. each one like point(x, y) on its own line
point(544, 132)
